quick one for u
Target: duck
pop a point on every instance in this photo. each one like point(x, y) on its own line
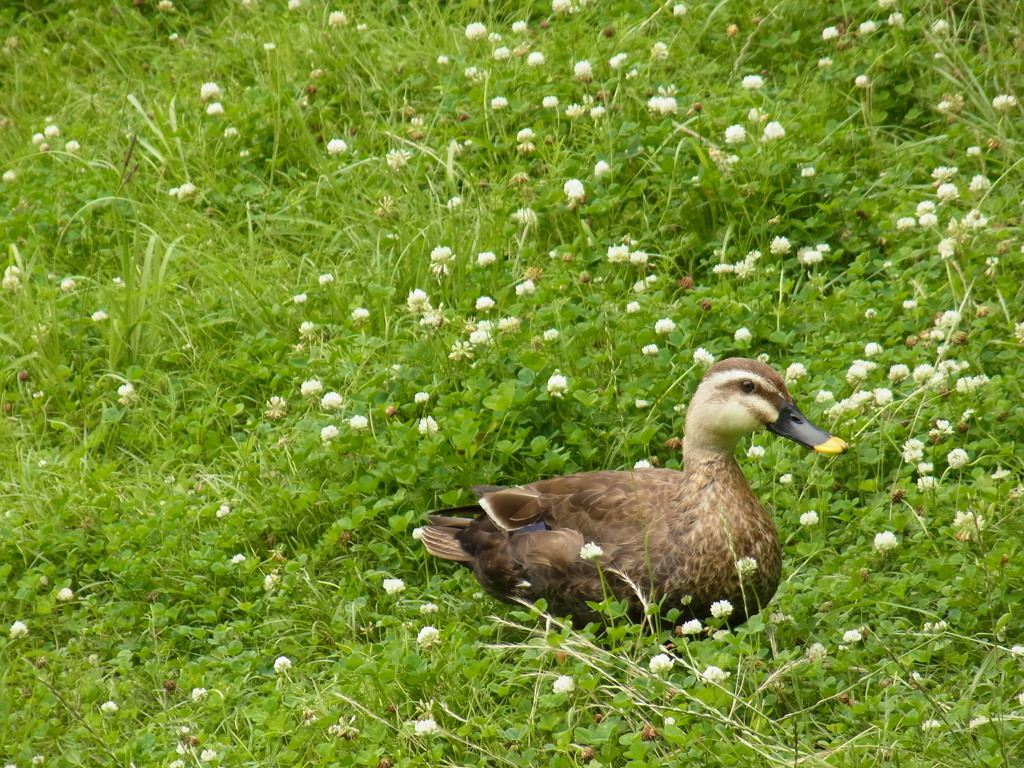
point(672, 544)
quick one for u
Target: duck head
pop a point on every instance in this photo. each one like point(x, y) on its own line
point(739, 396)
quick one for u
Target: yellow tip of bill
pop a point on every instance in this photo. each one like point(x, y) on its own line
point(832, 445)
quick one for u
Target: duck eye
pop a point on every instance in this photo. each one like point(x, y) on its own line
point(747, 385)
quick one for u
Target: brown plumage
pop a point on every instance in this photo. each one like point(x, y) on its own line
point(674, 536)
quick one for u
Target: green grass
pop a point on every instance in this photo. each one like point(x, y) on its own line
point(139, 503)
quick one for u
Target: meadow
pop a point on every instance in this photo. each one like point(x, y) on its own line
point(283, 277)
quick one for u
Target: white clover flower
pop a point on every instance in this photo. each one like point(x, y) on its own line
point(549, 102)
point(967, 525)
point(575, 110)
point(795, 372)
point(816, 652)
point(664, 326)
point(809, 518)
point(427, 426)
point(735, 134)
point(329, 433)
point(109, 707)
point(65, 595)
point(558, 385)
point(780, 245)
point(199, 695)
point(808, 257)
point(774, 130)
point(393, 586)
point(398, 158)
point(499, 103)
point(885, 542)
point(425, 727)
point(746, 566)
point(216, 109)
point(18, 629)
point(642, 464)
point(591, 551)
point(337, 19)
point(428, 636)
point(601, 168)
point(51, 132)
point(928, 220)
point(72, 146)
point(360, 315)
point(714, 674)
point(691, 627)
point(311, 388)
point(421, 397)
point(476, 31)
point(210, 91)
point(127, 394)
point(271, 581)
point(563, 684)
point(618, 254)
point(883, 397)
point(502, 54)
point(574, 191)
point(898, 372)
point(957, 458)
point(583, 71)
point(859, 371)
point(299, 298)
point(946, 192)
point(634, 307)
point(418, 301)
point(755, 452)
point(703, 358)
point(872, 349)
point(721, 609)
point(426, 609)
point(359, 423)
point(970, 384)
point(661, 664)
point(913, 450)
point(852, 636)
point(663, 105)
point(679, 10)
point(336, 147)
point(282, 664)
point(753, 82)
point(1004, 102)
point(979, 184)
point(742, 335)
point(862, 81)
point(930, 725)
point(659, 51)
point(238, 559)
point(617, 62)
point(650, 350)
point(867, 27)
point(9, 177)
point(829, 33)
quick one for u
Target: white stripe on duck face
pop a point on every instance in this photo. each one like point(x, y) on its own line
point(729, 376)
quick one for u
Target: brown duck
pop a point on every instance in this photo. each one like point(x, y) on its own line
point(666, 537)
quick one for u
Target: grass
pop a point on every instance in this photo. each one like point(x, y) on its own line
point(205, 533)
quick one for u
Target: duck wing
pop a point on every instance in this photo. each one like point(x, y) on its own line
point(547, 522)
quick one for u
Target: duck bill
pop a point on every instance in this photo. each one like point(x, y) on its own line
point(798, 428)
